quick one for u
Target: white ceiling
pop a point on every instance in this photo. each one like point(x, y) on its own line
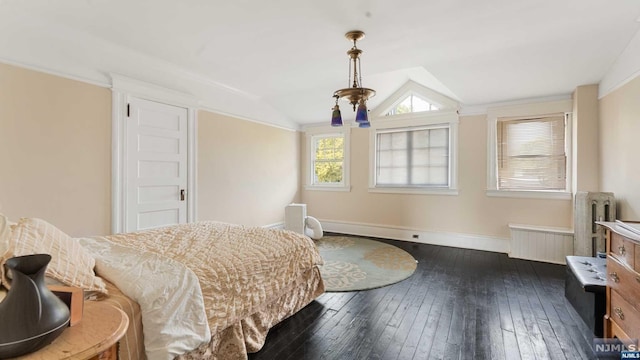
point(279, 61)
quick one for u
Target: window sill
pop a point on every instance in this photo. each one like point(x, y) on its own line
point(327, 188)
point(551, 195)
point(417, 191)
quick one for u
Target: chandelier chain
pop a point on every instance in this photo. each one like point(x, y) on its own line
point(359, 73)
point(349, 75)
point(354, 93)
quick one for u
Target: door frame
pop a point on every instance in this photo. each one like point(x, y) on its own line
point(123, 89)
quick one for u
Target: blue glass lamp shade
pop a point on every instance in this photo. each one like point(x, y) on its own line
point(336, 118)
point(361, 113)
point(365, 124)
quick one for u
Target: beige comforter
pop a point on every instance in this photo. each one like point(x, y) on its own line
point(240, 269)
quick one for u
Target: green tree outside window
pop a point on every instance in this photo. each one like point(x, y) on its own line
point(328, 162)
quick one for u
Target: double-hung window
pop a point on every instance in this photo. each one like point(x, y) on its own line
point(414, 154)
point(530, 150)
point(328, 159)
point(413, 157)
point(531, 154)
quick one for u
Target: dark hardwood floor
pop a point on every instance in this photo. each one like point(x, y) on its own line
point(459, 304)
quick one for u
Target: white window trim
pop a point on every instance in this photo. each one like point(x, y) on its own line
point(312, 132)
point(527, 111)
point(410, 87)
point(408, 121)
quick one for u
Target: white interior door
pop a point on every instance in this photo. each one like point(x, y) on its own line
point(156, 165)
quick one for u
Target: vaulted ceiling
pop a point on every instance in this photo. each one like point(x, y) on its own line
point(280, 61)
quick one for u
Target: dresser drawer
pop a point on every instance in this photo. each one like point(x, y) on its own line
point(626, 282)
point(623, 314)
point(622, 249)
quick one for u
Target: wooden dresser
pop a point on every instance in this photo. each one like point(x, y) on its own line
point(622, 319)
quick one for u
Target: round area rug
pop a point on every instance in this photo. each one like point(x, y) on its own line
point(355, 263)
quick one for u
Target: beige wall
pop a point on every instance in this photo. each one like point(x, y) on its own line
point(55, 151)
point(585, 146)
point(470, 212)
point(620, 148)
point(55, 146)
point(247, 172)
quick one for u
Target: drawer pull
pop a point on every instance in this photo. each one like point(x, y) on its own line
point(622, 250)
point(615, 278)
point(619, 312)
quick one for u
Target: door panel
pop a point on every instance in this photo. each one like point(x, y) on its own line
point(154, 168)
point(156, 218)
point(156, 153)
point(154, 194)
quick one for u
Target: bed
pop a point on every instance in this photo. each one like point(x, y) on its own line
point(205, 290)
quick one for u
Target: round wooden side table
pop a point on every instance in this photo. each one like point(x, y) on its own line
point(94, 337)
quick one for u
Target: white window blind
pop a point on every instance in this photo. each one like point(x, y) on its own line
point(417, 157)
point(531, 154)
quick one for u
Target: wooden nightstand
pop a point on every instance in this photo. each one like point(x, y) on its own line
point(95, 337)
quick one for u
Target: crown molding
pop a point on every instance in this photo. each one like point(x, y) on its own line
point(123, 83)
point(624, 69)
point(97, 60)
point(150, 91)
point(55, 72)
point(483, 109)
point(288, 127)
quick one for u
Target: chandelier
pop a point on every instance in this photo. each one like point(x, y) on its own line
point(356, 94)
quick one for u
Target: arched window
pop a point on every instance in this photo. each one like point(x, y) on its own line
point(412, 104)
point(413, 143)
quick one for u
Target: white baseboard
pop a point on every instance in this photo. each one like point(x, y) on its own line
point(278, 225)
point(466, 241)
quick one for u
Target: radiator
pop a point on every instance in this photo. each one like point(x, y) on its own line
point(589, 208)
point(547, 244)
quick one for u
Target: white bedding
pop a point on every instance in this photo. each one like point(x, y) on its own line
point(249, 279)
point(173, 313)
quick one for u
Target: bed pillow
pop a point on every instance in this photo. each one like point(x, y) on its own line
point(70, 263)
point(5, 234)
